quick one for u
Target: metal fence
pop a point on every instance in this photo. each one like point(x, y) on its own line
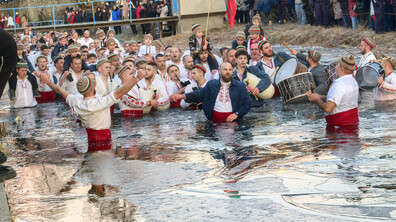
point(54, 22)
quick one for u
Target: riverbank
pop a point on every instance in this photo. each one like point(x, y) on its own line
point(294, 34)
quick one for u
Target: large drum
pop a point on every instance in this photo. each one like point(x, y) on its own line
point(146, 95)
point(367, 76)
point(293, 89)
point(290, 67)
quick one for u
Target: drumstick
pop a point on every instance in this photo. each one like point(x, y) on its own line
point(284, 43)
point(351, 53)
point(247, 83)
point(274, 72)
point(380, 60)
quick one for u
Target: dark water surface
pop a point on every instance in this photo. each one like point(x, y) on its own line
point(280, 164)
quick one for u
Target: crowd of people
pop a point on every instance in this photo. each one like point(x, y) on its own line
point(379, 15)
point(113, 11)
point(99, 76)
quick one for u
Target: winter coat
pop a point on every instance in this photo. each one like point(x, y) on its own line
point(336, 9)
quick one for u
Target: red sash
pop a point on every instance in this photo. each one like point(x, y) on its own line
point(220, 117)
point(132, 113)
point(99, 135)
point(346, 118)
point(46, 97)
point(277, 93)
point(98, 145)
point(175, 104)
point(112, 109)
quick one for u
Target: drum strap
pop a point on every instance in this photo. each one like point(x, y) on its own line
point(280, 57)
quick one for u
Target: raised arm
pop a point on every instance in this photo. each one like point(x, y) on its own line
point(125, 88)
point(46, 78)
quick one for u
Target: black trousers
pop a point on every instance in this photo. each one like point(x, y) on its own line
point(8, 57)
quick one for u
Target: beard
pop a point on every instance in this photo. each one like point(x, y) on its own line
point(226, 78)
point(363, 51)
point(269, 54)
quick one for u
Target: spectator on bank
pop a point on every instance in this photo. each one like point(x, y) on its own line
point(78, 18)
point(378, 7)
point(353, 14)
point(24, 21)
point(300, 12)
point(283, 12)
point(321, 12)
point(145, 13)
point(116, 16)
point(134, 16)
point(70, 17)
point(98, 14)
point(163, 12)
point(345, 13)
point(10, 22)
point(16, 19)
point(242, 11)
point(337, 11)
point(3, 21)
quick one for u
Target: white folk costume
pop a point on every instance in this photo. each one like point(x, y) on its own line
point(190, 88)
point(86, 42)
point(269, 68)
point(345, 94)
point(185, 73)
point(131, 104)
point(223, 106)
point(173, 87)
point(387, 89)
point(209, 75)
point(47, 94)
point(144, 49)
point(70, 87)
point(160, 87)
point(366, 59)
point(104, 87)
point(94, 113)
point(164, 78)
point(23, 95)
point(170, 62)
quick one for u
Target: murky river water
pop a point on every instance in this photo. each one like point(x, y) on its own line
point(280, 164)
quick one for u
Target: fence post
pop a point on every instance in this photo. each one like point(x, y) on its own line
point(93, 13)
point(130, 13)
point(14, 20)
point(53, 15)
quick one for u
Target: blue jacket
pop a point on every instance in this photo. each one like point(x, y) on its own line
point(265, 81)
point(239, 95)
point(235, 44)
point(262, 85)
point(116, 15)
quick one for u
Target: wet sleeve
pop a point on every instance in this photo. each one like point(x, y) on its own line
point(196, 96)
point(265, 81)
point(390, 86)
point(132, 102)
point(246, 102)
point(321, 82)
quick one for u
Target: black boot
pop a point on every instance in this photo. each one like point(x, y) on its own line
point(6, 173)
point(3, 157)
point(11, 94)
point(36, 93)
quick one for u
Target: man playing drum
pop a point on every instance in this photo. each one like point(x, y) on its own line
point(317, 70)
point(386, 89)
point(341, 103)
point(241, 72)
point(366, 47)
point(270, 60)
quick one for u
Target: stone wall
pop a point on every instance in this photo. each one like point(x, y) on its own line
point(196, 12)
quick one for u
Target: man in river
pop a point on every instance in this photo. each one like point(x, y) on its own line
point(223, 99)
point(341, 103)
point(93, 111)
point(241, 73)
point(318, 72)
point(366, 49)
